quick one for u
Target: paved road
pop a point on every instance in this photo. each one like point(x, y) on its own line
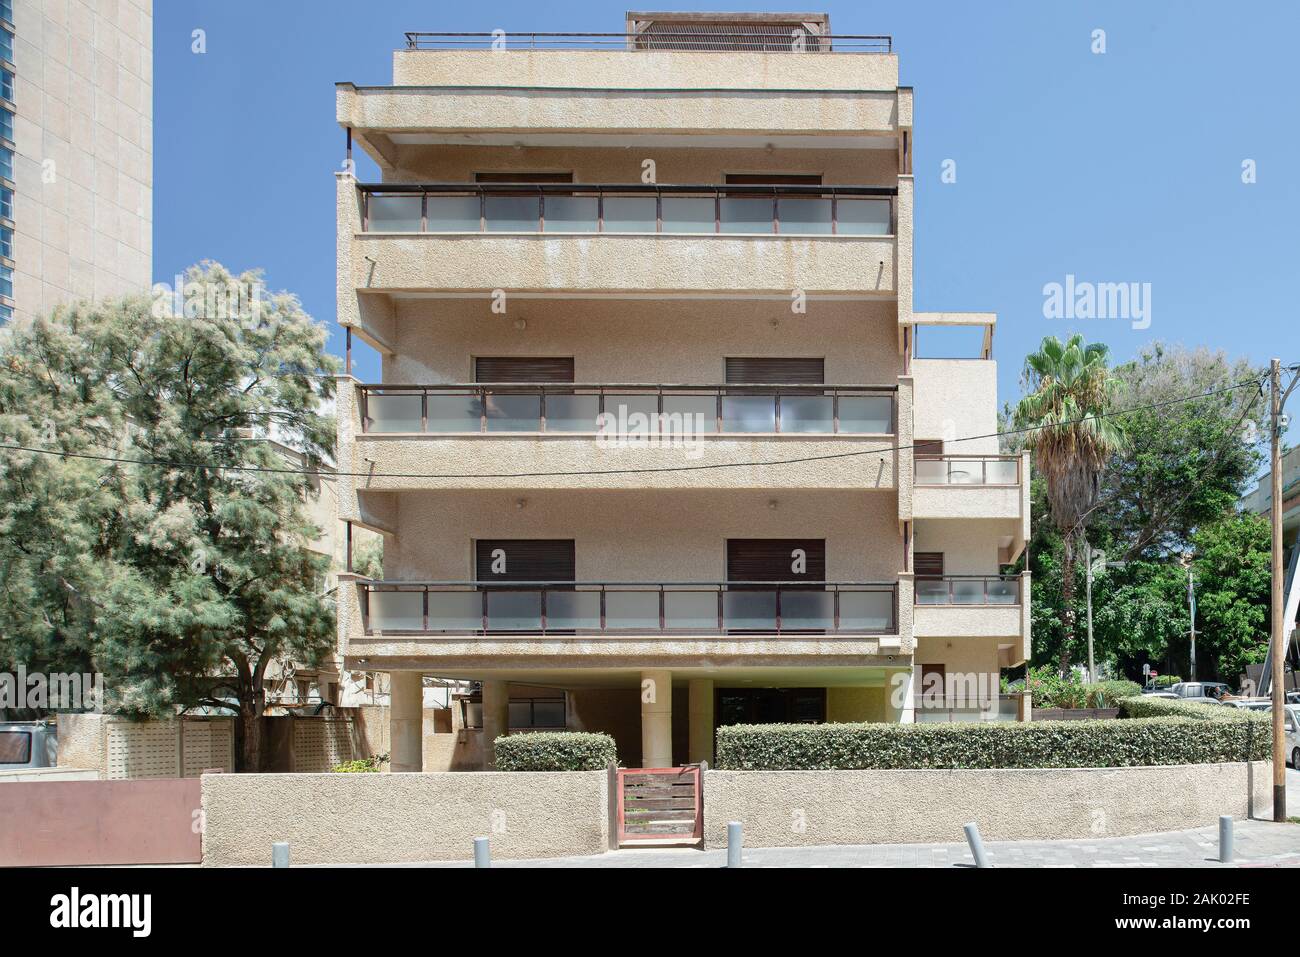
point(1258, 844)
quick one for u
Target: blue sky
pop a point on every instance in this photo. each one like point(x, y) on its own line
point(1120, 167)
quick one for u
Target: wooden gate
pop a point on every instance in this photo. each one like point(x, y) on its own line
point(660, 806)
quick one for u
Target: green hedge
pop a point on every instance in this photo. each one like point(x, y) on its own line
point(1171, 737)
point(555, 751)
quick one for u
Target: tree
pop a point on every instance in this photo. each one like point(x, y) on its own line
point(1185, 463)
point(1070, 392)
point(195, 573)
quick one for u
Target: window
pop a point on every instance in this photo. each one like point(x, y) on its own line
point(15, 747)
point(7, 163)
point(525, 560)
point(527, 713)
point(523, 369)
point(7, 125)
point(523, 176)
point(7, 10)
point(6, 202)
point(6, 242)
point(776, 559)
point(764, 371)
point(770, 706)
point(6, 45)
point(7, 85)
point(7, 281)
point(6, 313)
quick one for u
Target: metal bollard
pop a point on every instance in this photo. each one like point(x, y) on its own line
point(482, 855)
point(1225, 838)
point(734, 843)
point(976, 845)
point(280, 854)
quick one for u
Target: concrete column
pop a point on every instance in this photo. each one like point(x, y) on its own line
point(656, 719)
point(700, 714)
point(406, 721)
point(496, 718)
point(902, 689)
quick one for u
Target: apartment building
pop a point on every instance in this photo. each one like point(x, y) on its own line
point(76, 151)
point(653, 449)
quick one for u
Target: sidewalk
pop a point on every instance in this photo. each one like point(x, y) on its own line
point(1258, 844)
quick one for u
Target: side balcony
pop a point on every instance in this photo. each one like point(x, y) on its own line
point(971, 487)
point(628, 239)
point(596, 624)
point(623, 436)
point(975, 606)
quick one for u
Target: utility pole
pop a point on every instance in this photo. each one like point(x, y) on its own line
point(1191, 604)
point(1278, 649)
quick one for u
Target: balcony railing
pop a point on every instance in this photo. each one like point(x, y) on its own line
point(946, 707)
point(968, 590)
point(758, 41)
point(967, 470)
point(629, 608)
point(679, 411)
point(628, 208)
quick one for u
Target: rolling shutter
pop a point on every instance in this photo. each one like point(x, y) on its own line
point(928, 564)
point(770, 559)
point(523, 369)
point(750, 371)
point(526, 560)
point(522, 176)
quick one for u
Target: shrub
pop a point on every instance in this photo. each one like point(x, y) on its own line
point(1169, 737)
point(1106, 694)
point(555, 751)
point(1164, 681)
point(362, 765)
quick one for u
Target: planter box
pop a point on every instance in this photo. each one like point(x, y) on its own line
point(1073, 714)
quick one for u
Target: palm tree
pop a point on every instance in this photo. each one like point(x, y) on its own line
point(1070, 390)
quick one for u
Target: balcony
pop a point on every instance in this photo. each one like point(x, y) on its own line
point(580, 436)
point(610, 412)
point(971, 606)
point(624, 237)
point(970, 486)
point(627, 209)
point(575, 609)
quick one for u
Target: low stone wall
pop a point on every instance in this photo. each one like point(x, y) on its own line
point(389, 818)
point(799, 808)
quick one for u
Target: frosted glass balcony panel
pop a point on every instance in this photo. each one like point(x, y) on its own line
point(453, 214)
point(866, 414)
point(394, 214)
point(393, 413)
point(862, 217)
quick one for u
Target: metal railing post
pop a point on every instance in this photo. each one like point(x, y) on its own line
point(482, 853)
point(976, 845)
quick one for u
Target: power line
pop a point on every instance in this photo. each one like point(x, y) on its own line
point(161, 463)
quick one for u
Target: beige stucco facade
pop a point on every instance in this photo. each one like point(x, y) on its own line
point(663, 307)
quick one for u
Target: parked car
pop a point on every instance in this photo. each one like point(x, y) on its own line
point(1160, 694)
point(1207, 692)
point(28, 744)
point(1251, 704)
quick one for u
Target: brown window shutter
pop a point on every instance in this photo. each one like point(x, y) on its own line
point(924, 447)
point(523, 369)
point(928, 564)
point(749, 371)
point(527, 560)
point(774, 179)
point(522, 176)
point(769, 559)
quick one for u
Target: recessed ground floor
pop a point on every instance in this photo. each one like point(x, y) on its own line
point(667, 716)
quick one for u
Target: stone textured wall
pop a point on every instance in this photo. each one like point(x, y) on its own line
point(84, 151)
point(805, 808)
point(390, 818)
